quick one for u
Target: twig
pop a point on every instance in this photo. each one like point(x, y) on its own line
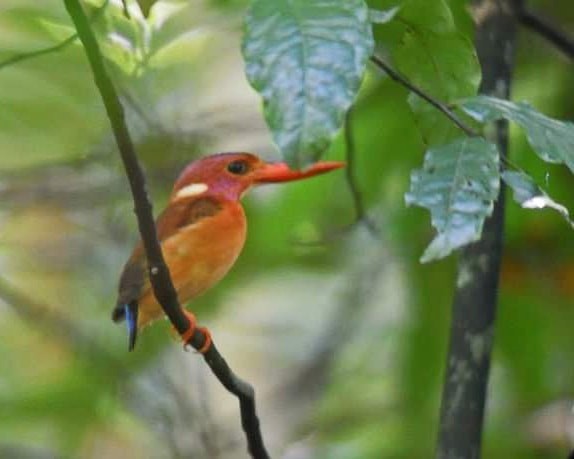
point(159, 274)
point(50, 49)
point(475, 298)
point(59, 327)
point(361, 214)
point(396, 76)
point(546, 29)
point(25, 56)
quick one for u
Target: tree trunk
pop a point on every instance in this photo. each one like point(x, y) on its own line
point(475, 299)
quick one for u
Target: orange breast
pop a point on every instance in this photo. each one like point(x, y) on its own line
point(198, 255)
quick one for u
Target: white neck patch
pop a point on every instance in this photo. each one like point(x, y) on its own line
point(193, 189)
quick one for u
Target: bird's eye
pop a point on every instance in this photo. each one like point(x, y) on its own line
point(239, 167)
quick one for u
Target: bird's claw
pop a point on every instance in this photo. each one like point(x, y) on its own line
point(188, 334)
point(206, 340)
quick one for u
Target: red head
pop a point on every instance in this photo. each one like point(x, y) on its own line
point(231, 174)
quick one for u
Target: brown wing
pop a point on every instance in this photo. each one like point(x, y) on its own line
point(134, 281)
point(185, 212)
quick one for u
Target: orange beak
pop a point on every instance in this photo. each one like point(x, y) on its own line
point(281, 172)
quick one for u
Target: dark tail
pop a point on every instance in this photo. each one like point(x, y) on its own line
point(129, 312)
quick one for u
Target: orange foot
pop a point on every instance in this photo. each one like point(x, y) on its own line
point(188, 334)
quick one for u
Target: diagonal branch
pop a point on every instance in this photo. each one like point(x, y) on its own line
point(59, 327)
point(546, 29)
point(159, 274)
point(17, 58)
point(440, 106)
point(40, 52)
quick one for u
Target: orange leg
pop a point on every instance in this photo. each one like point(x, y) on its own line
point(188, 334)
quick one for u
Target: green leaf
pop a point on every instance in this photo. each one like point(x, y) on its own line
point(530, 196)
point(458, 184)
point(427, 47)
point(551, 139)
point(145, 6)
point(306, 59)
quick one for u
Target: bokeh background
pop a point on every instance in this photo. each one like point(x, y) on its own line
point(342, 332)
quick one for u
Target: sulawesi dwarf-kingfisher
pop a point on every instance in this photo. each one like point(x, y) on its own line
point(202, 231)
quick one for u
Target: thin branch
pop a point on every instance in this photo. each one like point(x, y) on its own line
point(17, 58)
point(361, 214)
point(476, 294)
point(440, 106)
point(60, 328)
point(30, 55)
point(159, 274)
point(546, 29)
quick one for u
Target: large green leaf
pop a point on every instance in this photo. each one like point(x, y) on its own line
point(307, 59)
point(551, 139)
point(429, 49)
point(458, 184)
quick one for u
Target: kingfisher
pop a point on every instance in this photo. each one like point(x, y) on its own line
point(202, 232)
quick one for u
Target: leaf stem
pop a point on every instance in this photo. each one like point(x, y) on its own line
point(440, 106)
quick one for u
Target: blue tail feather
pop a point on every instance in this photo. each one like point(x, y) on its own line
point(131, 313)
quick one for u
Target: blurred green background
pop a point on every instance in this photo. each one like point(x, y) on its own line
point(343, 334)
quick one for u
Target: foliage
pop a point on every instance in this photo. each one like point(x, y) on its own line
point(458, 184)
point(552, 140)
point(307, 60)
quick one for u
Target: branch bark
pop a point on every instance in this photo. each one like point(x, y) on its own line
point(159, 274)
point(440, 106)
point(545, 28)
point(475, 300)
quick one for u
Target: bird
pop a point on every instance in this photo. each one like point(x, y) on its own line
point(202, 231)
